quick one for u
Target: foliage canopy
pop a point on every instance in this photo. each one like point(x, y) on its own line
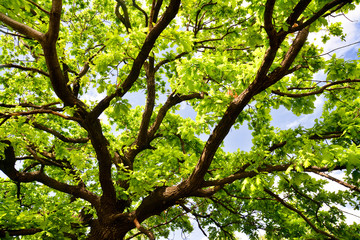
point(82, 161)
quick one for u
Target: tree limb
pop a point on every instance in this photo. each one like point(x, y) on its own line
point(124, 19)
point(59, 135)
point(151, 37)
point(345, 184)
point(37, 111)
point(318, 14)
point(57, 77)
point(280, 200)
point(47, 106)
point(40, 8)
point(7, 165)
point(165, 61)
point(268, 23)
point(157, 10)
point(147, 135)
point(22, 28)
point(266, 169)
point(260, 83)
point(12, 65)
point(290, 56)
point(172, 100)
point(327, 135)
point(143, 12)
point(149, 234)
point(150, 103)
point(320, 90)
point(19, 232)
point(297, 11)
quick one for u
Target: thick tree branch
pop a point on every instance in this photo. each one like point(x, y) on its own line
point(172, 100)
point(7, 165)
point(57, 77)
point(290, 56)
point(54, 24)
point(166, 18)
point(150, 103)
point(22, 28)
point(318, 14)
point(219, 133)
point(268, 23)
point(260, 83)
point(19, 232)
point(297, 11)
point(123, 18)
point(149, 234)
point(157, 10)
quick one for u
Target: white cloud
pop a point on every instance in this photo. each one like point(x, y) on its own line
point(319, 102)
point(350, 23)
point(183, 105)
point(301, 121)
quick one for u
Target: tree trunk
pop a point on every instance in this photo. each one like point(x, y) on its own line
point(116, 231)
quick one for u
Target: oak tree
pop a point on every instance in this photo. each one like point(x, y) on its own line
point(83, 161)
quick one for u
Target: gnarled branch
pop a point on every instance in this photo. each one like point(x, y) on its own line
point(7, 165)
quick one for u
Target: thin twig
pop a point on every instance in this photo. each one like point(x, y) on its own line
point(280, 200)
